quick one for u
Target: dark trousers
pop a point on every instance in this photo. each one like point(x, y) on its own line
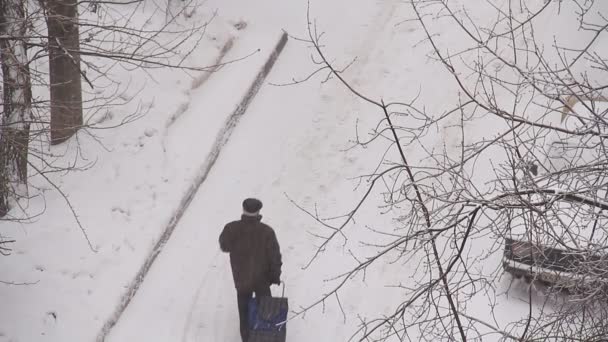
point(243, 298)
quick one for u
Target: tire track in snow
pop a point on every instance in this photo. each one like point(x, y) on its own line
point(196, 83)
point(356, 75)
point(212, 267)
point(220, 140)
point(378, 24)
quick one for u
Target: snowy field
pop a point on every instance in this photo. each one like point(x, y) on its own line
point(291, 148)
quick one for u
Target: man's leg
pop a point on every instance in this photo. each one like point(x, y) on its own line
point(243, 302)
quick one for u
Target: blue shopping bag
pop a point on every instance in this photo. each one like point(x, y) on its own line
point(267, 313)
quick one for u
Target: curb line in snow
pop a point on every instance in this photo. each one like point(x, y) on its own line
point(220, 140)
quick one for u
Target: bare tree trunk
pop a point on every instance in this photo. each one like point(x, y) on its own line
point(64, 68)
point(14, 136)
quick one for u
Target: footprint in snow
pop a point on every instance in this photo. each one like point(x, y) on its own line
point(150, 132)
point(50, 318)
point(240, 25)
point(118, 209)
point(82, 274)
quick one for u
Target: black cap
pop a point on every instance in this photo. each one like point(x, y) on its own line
point(252, 205)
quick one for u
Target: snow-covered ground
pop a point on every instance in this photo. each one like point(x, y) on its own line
point(291, 144)
point(134, 178)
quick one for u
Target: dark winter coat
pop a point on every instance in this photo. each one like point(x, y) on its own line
point(255, 255)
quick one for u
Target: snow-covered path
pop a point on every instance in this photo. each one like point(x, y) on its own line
point(290, 141)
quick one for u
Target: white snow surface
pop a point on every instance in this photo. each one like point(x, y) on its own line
point(292, 143)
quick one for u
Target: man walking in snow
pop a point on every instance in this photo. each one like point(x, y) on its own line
point(255, 258)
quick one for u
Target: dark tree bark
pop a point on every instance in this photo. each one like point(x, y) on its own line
point(64, 68)
point(17, 98)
